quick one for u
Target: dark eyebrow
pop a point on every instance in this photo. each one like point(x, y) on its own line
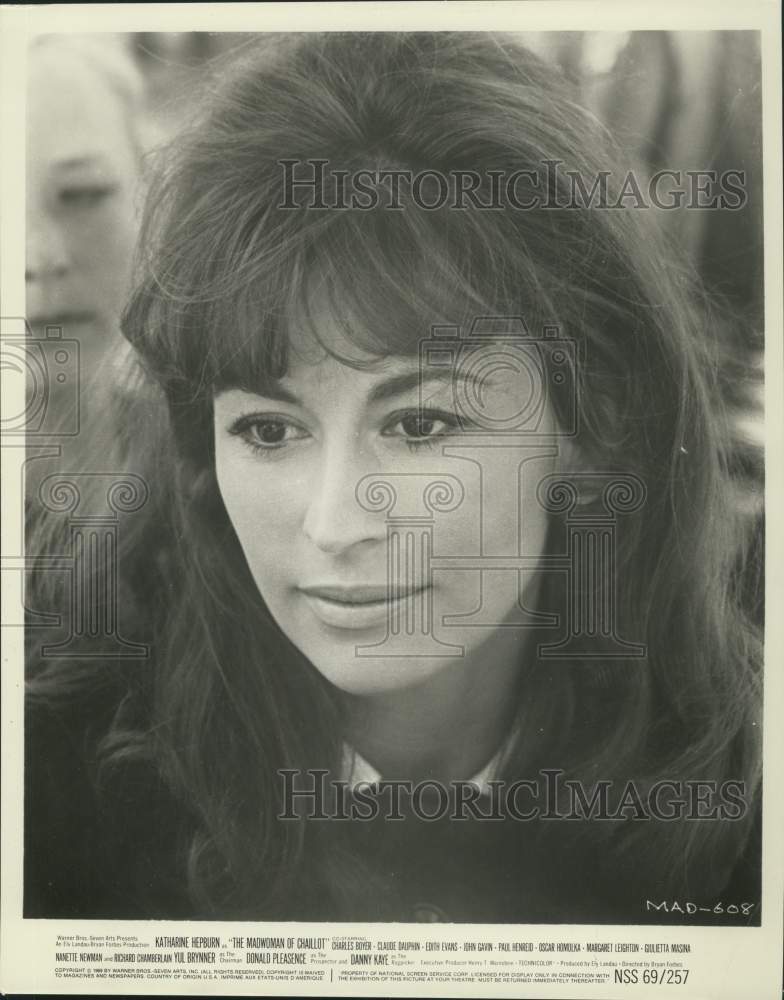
point(405, 382)
point(81, 161)
point(271, 388)
point(395, 385)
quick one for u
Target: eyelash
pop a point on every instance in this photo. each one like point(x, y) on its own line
point(424, 415)
point(244, 428)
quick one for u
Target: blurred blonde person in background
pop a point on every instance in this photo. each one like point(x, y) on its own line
point(86, 133)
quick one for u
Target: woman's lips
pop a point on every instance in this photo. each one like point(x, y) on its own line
point(358, 607)
point(66, 321)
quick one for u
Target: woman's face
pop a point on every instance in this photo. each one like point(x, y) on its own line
point(82, 169)
point(345, 577)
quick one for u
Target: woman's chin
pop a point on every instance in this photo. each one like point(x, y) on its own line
point(377, 674)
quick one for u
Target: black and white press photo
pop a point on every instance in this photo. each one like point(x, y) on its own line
point(390, 467)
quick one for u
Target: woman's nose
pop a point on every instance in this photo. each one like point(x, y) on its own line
point(46, 250)
point(334, 520)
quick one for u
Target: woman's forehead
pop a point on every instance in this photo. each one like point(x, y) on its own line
point(73, 111)
point(486, 385)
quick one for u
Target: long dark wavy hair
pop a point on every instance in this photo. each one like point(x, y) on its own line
point(223, 274)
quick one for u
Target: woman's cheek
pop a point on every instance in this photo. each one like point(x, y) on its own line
point(264, 502)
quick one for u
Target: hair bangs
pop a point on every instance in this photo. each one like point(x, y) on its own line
point(382, 279)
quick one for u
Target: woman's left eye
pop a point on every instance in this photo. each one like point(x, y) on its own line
point(420, 428)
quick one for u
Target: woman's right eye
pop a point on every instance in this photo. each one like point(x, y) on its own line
point(267, 433)
point(84, 195)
